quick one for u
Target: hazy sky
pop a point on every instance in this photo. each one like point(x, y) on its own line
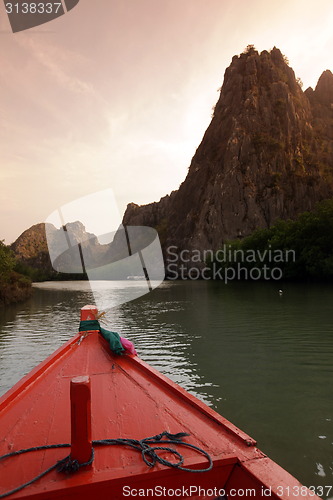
point(118, 93)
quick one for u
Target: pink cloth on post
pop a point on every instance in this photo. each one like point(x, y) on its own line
point(128, 346)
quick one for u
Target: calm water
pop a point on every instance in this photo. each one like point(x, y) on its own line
point(262, 360)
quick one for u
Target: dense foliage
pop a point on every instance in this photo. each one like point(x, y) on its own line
point(36, 274)
point(7, 260)
point(302, 249)
point(14, 287)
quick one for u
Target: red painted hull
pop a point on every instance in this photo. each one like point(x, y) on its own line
point(129, 399)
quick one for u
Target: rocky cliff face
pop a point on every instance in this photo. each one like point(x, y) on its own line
point(31, 248)
point(267, 154)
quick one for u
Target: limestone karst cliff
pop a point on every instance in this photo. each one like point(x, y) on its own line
point(267, 154)
point(32, 249)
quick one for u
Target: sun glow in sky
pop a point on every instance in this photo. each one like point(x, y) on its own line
point(118, 93)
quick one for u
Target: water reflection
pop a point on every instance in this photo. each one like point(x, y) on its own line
point(162, 341)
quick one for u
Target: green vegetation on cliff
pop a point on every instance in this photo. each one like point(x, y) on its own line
point(14, 287)
point(301, 248)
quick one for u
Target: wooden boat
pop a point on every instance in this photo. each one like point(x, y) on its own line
point(84, 394)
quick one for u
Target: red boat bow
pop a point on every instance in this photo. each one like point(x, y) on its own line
point(122, 397)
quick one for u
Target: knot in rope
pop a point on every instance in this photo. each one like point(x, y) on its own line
point(69, 466)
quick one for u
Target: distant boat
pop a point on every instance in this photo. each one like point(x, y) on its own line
point(102, 406)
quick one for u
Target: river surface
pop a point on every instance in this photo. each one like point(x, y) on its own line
point(262, 359)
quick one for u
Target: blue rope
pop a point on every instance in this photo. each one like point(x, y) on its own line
point(149, 455)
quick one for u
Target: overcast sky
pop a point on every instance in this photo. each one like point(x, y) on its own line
point(118, 93)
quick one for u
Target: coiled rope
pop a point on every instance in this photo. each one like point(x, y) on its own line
point(146, 446)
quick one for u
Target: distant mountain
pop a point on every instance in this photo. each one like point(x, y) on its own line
point(31, 249)
point(75, 252)
point(267, 154)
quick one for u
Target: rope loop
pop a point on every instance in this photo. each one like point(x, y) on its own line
point(149, 452)
point(156, 458)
